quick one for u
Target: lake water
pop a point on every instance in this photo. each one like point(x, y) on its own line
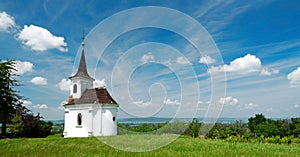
point(163, 120)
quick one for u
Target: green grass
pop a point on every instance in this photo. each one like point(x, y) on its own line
point(183, 146)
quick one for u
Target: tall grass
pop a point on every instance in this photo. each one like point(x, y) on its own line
point(182, 146)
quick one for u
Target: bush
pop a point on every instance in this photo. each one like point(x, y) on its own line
point(29, 126)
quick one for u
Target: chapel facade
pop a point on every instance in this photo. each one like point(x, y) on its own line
point(89, 111)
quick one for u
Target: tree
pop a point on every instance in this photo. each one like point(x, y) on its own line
point(8, 96)
point(255, 121)
point(17, 126)
point(22, 120)
point(295, 127)
point(193, 129)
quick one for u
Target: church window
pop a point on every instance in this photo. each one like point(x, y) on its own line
point(114, 118)
point(75, 88)
point(79, 119)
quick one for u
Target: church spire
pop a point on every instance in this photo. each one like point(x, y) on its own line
point(82, 70)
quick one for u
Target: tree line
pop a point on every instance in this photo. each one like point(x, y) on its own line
point(259, 129)
point(17, 120)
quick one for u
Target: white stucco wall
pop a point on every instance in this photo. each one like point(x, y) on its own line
point(72, 129)
point(82, 85)
point(97, 120)
point(109, 127)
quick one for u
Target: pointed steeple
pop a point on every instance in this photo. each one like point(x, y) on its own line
point(82, 70)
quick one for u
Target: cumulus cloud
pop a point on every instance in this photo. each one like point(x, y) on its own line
point(243, 65)
point(147, 58)
point(40, 39)
point(268, 72)
point(205, 59)
point(39, 81)
point(23, 67)
point(64, 84)
point(200, 102)
point(171, 102)
point(27, 102)
point(294, 78)
point(61, 105)
point(99, 83)
point(182, 60)
point(250, 106)
point(7, 22)
point(228, 100)
point(141, 103)
point(40, 106)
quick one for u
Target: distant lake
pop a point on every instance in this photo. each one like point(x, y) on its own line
point(154, 120)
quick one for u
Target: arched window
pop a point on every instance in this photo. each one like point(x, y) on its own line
point(79, 119)
point(114, 118)
point(75, 88)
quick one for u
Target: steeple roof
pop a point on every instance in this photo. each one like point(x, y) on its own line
point(82, 70)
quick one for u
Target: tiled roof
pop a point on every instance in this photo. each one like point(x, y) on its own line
point(94, 96)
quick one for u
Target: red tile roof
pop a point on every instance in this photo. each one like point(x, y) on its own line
point(94, 96)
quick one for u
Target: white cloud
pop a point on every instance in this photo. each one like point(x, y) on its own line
point(228, 100)
point(200, 102)
point(27, 102)
point(182, 60)
point(7, 22)
point(147, 57)
point(171, 102)
point(268, 72)
point(64, 84)
point(294, 78)
point(61, 105)
point(296, 106)
point(141, 103)
point(99, 83)
point(168, 63)
point(242, 65)
point(250, 106)
point(206, 60)
point(269, 109)
point(39, 80)
point(40, 106)
point(40, 39)
point(23, 67)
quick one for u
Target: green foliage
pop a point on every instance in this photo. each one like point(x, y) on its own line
point(193, 129)
point(222, 131)
point(22, 123)
point(175, 127)
point(262, 130)
point(17, 126)
point(57, 129)
point(254, 122)
point(8, 96)
point(295, 127)
point(35, 127)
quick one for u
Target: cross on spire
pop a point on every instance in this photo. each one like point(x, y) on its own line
point(82, 43)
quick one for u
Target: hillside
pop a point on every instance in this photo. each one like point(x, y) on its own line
point(183, 146)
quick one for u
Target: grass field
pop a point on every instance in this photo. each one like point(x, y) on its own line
point(183, 146)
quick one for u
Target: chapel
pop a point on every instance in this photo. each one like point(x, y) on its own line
point(89, 111)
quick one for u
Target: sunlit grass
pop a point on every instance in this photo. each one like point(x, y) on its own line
point(182, 146)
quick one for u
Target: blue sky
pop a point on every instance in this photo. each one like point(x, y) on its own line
point(246, 62)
